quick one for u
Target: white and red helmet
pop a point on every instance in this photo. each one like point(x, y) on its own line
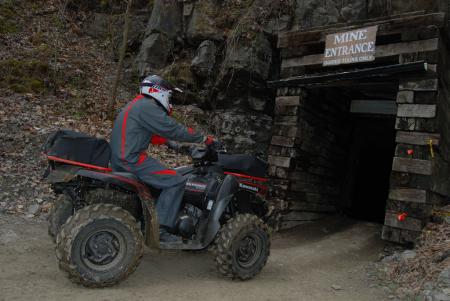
point(159, 89)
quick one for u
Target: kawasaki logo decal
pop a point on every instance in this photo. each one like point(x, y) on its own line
point(255, 189)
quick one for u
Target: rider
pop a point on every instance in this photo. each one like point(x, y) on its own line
point(147, 120)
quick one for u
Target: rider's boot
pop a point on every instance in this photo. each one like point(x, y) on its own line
point(166, 237)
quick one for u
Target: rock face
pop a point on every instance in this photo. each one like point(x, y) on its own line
point(105, 26)
point(202, 25)
point(154, 53)
point(166, 18)
point(163, 28)
point(241, 131)
point(205, 58)
point(310, 13)
point(223, 52)
point(243, 74)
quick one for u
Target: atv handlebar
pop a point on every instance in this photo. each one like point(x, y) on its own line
point(199, 154)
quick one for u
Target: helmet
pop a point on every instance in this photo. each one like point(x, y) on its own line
point(159, 89)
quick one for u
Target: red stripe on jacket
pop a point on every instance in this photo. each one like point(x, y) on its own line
point(124, 124)
point(142, 158)
point(165, 172)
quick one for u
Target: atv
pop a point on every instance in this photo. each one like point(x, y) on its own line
point(102, 219)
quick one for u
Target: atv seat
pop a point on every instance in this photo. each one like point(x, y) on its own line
point(155, 191)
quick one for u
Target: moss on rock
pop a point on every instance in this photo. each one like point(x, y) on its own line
point(23, 76)
point(8, 18)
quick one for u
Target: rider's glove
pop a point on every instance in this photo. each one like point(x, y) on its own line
point(209, 140)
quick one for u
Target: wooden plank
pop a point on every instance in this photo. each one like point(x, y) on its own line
point(285, 120)
point(286, 110)
point(409, 223)
point(390, 234)
point(414, 46)
point(287, 100)
point(416, 110)
point(424, 97)
point(404, 179)
point(422, 167)
point(282, 141)
point(381, 51)
point(385, 25)
point(284, 130)
point(279, 161)
point(420, 211)
point(408, 195)
point(407, 124)
point(420, 85)
point(399, 235)
point(381, 107)
point(429, 125)
point(278, 172)
point(405, 97)
point(417, 138)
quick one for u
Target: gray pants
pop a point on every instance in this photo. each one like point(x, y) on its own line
point(156, 175)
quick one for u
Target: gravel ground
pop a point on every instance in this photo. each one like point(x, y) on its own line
point(326, 260)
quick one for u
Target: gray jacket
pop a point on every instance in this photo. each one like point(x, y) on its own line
point(141, 122)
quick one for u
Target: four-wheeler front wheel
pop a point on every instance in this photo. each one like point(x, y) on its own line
point(242, 247)
point(100, 245)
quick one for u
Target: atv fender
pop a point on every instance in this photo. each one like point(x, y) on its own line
point(62, 174)
point(147, 202)
point(226, 193)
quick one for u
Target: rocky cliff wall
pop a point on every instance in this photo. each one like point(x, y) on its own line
point(223, 52)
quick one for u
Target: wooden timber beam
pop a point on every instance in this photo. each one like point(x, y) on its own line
point(372, 106)
point(383, 72)
point(381, 51)
point(416, 166)
point(318, 34)
point(417, 138)
point(409, 223)
point(407, 194)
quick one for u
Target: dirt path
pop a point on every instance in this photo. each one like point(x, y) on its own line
point(304, 265)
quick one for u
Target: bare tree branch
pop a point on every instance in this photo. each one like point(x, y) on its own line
point(123, 49)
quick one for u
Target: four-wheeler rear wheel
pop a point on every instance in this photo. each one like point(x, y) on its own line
point(100, 245)
point(242, 247)
point(61, 210)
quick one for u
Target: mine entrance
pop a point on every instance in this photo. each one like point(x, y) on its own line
point(371, 150)
point(368, 146)
point(344, 146)
point(330, 151)
point(369, 166)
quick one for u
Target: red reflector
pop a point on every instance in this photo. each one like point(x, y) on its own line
point(410, 152)
point(402, 216)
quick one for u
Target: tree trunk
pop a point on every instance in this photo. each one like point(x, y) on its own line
point(123, 49)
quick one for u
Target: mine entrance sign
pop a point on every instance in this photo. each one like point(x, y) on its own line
point(348, 47)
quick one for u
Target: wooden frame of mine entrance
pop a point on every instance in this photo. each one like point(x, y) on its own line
point(411, 51)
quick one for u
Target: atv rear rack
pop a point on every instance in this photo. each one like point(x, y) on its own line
point(76, 163)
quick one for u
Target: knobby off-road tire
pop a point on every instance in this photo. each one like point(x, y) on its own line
point(243, 232)
point(100, 245)
point(61, 210)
